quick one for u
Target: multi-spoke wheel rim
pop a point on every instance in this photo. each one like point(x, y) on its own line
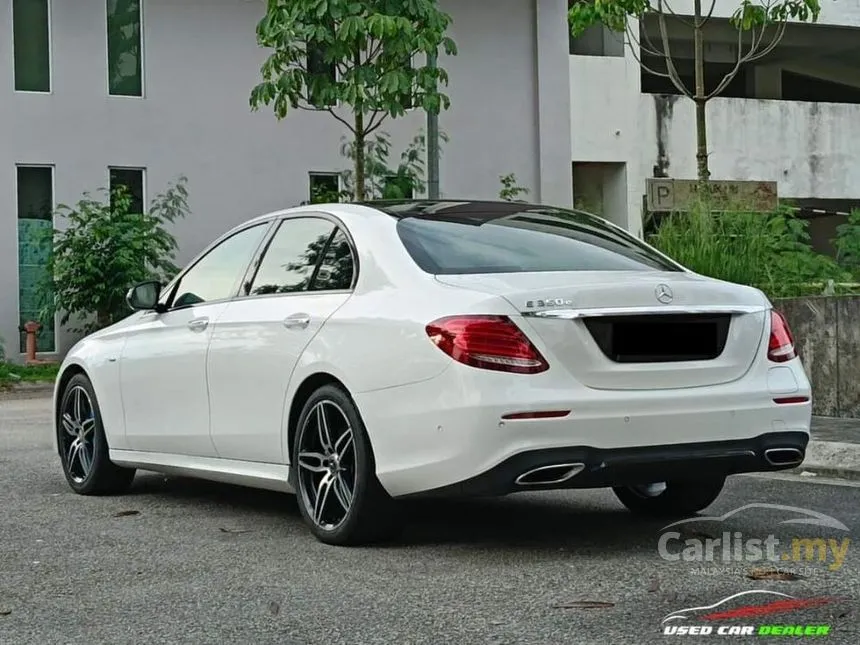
point(78, 425)
point(654, 489)
point(326, 465)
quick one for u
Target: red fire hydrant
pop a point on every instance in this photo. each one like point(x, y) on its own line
point(32, 328)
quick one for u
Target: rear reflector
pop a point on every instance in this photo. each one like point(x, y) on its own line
point(780, 347)
point(487, 342)
point(791, 399)
point(544, 414)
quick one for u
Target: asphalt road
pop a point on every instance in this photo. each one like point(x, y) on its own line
point(206, 563)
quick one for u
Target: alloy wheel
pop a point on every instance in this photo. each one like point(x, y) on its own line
point(326, 465)
point(78, 433)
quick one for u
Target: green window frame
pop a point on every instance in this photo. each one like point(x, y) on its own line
point(34, 196)
point(125, 47)
point(31, 36)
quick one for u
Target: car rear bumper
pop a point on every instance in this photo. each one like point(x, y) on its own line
point(588, 467)
point(444, 433)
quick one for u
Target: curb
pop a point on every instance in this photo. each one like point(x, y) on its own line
point(27, 391)
point(832, 459)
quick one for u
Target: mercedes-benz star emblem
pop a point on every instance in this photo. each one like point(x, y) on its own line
point(663, 293)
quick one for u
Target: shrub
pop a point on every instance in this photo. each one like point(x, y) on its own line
point(847, 243)
point(770, 251)
point(104, 250)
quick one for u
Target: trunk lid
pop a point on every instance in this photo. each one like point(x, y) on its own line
point(634, 330)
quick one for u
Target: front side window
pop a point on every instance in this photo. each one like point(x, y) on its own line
point(291, 259)
point(125, 48)
point(520, 239)
point(31, 35)
point(217, 274)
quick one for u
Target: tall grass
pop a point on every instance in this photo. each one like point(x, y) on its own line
point(770, 251)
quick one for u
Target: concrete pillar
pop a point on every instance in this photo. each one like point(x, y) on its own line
point(765, 82)
point(554, 184)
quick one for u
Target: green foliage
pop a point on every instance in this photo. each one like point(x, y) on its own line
point(360, 54)
point(749, 14)
point(11, 374)
point(382, 181)
point(847, 243)
point(510, 190)
point(770, 251)
point(104, 250)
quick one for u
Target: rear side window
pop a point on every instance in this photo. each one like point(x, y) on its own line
point(536, 239)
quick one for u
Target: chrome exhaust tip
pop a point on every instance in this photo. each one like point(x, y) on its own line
point(783, 456)
point(554, 474)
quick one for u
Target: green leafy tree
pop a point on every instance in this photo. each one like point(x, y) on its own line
point(382, 181)
point(760, 26)
point(105, 249)
point(355, 59)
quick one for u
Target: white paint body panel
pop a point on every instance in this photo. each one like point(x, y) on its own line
point(222, 412)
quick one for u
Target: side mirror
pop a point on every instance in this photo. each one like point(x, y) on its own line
point(144, 296)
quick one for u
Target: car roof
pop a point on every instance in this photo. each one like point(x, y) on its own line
point(467, 210)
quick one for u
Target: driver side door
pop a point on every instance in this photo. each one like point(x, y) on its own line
point(163, 365)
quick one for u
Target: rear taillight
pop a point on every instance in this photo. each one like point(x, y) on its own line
point(780, 347)
point(488, 342)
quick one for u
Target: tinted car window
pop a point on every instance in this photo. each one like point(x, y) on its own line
point(289, 262)
point(337, 267)
point(525, 239)
point(217, 274)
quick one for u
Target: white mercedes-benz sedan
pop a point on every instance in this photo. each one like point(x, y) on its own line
point(358, 354)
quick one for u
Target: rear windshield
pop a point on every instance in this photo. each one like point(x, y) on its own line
point(526, 240)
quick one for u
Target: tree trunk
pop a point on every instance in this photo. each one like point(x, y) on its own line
point(103, 319)
point(700, 98)
point(701, 142)
point(360, 193)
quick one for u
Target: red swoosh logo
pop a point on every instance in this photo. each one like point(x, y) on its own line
point(775, 607)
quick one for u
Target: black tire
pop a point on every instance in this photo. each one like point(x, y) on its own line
point(370, 516)
point(89, 471)
point(677, 499)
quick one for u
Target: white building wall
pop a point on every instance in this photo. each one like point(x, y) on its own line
point(810, 149)
point(200, 63)
point(833, 12)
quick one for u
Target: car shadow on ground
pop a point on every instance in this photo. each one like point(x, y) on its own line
point(549, 521)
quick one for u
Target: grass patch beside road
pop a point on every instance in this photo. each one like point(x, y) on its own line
point(11, 374)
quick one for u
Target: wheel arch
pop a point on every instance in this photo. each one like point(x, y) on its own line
point(68, 372)
point(308, 386)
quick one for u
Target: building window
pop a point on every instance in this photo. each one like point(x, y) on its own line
point(324, 187)
point(35, 198)
point(31, 33)
point(124, 48)
point(133, 181)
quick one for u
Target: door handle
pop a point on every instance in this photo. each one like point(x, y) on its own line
point(198, 324)
point(297, 321)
